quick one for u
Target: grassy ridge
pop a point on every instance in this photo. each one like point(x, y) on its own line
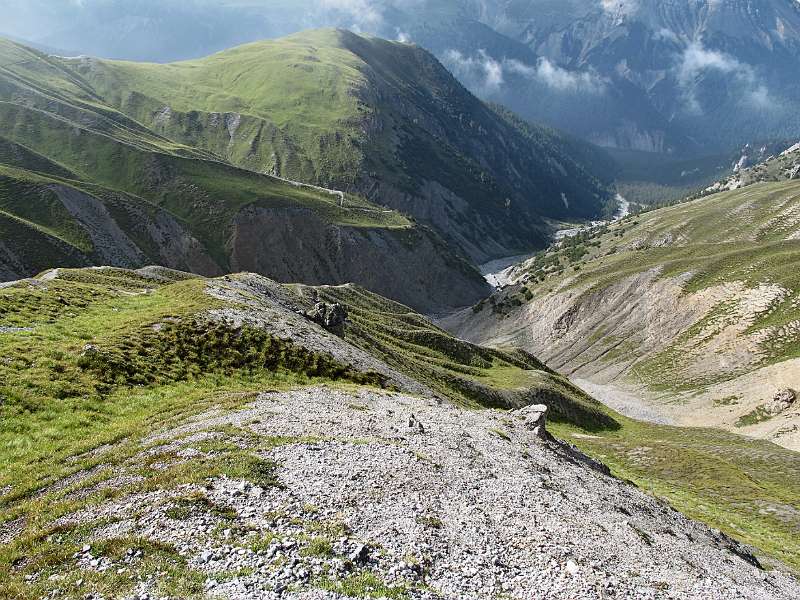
point(288, 93)
point(98, 357)
point(465, 373)
point(94, 361)
point(58, 131)
point(358, 113)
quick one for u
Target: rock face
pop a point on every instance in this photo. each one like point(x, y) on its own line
point(459, 512)
point(412, 266)
point(120, 231)
point(535, 419)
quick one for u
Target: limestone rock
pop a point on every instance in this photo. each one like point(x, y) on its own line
point(415, 425)
point(90, 350)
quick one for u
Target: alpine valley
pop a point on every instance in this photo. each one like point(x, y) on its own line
point(403, 299)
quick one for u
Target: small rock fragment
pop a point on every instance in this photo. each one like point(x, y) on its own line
point(415, 425)
point(360, 554)
point(572, 567)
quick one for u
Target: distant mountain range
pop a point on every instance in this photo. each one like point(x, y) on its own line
point(667, 76)
point(674, 76)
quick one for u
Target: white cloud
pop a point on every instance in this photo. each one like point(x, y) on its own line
point(759, 98)
point(568, 81)
point(488, 75)
point(364, 12)
point(481, 71)
point(696, 60)
point(402, 36)
point(667, 35)
point(367, 15)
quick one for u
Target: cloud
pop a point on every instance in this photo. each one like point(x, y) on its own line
point(696, 60)
point(667, 35)
point(620, 8)
point(563, 80)
point(365, 13)
point(402, 36)
point(480, 71)
point(488, 75)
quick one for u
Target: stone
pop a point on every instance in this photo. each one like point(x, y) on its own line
point(415, 425)
point(330, 316)
point(90, 350)
point(572, 567)
point(535, 418)
point(360, 554)
point(782, 400)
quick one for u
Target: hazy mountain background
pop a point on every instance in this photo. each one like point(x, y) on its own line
point(675, 77)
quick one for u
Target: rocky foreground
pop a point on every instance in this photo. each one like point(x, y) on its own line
point(377, 494)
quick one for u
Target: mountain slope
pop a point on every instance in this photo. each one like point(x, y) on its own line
point(166, 434)
point(783, 167)
point(708, 75)
point(693, 309)
point(93, 186)
point(378, 118)
point(698, 77)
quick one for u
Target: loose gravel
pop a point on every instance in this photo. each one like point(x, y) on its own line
point(382, 494)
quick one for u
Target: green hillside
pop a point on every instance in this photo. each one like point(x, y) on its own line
point(379, 118)
point(747, 236)
point(687, 315)
point(90, 185)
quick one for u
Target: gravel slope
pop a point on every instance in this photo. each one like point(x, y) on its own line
point(420, 500)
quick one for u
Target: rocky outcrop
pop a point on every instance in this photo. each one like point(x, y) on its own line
point(330, 316)
point(111, 246)
point(535, 419)
point(255, 301)
point(410, 265)
point(122, 230)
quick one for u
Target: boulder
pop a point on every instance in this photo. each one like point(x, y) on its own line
point(330, 316)
point(415, 425)
point(360, 555)
point(90, 350)
point(535, 418)
point(782, 400)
